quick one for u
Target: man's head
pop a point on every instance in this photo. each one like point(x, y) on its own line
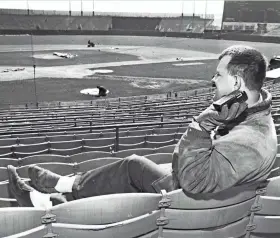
point(240, 68)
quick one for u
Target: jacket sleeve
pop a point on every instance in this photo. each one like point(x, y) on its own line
point(201, 167)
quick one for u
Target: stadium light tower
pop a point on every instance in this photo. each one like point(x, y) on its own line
point(27, 4)
point(182, 9)
point(69, 7)
point(34, 70)
point(205, 15)
point(193, 14)
point(81, 7)
point(92, 7)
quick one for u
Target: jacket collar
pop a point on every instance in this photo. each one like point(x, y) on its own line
point(265, 104)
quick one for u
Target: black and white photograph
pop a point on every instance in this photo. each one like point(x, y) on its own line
point(139, 119)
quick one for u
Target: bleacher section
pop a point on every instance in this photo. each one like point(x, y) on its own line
point(275, 32)
point(54, 22)
point(71, 139)
point(185, 24)
point(102, 23)
point(135, 23)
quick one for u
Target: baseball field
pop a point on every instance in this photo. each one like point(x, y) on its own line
point(126, 65)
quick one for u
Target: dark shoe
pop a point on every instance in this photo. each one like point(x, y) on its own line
point(43, 180)
point(19, 188)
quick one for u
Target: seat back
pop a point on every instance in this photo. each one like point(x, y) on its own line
point(114, 208)
point(37, 232)
point(4, 162)
point(37, 159)
point(266, 215)
point(142, 226)
point(95, 163)
point(221, 215)
point(8, 202)
point(59, 168)
point(15, 220)
point(82, 157)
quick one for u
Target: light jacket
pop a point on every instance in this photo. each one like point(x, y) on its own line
point(246, 154)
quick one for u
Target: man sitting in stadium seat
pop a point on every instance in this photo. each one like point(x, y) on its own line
point(205, 160)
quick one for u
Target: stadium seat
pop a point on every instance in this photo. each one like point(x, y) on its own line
point(276, 167)
point(163, 137)
point(258, 210)
point(166, 149)
point(64, 145)
point(16, 220)
point(78, 158)
point(5, 162)
point(161, 144)
point(138, 151)
point(44, 158)
point(67, 152)
point(130, 228)
point(106, 148)
point(59, 168)
point(123, 215)
point(94, 163)
point(132, 146)
point(8, 202)
point(4, 190)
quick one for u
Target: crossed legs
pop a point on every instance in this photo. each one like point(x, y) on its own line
point(130, 175)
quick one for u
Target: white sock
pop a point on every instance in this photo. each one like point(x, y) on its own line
point(65, 184)
point(40, 200)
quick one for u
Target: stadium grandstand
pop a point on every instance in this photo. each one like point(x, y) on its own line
point(156, 86)
point(252, 17)
point(16, 19)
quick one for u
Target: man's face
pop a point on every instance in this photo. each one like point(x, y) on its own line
point(223, 81)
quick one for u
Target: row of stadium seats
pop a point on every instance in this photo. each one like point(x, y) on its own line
point(117, 106)
point(102, 144)
point(69, 165)
point(89, 120)
point(243, 211)
point(148, 134)
point(72, 168)
point(104, 112)
point(41, 22)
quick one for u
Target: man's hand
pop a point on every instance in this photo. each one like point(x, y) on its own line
point(209, 119)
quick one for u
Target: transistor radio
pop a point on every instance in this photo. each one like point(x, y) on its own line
point(236, 96)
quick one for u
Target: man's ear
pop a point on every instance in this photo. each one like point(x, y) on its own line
point(237, 82)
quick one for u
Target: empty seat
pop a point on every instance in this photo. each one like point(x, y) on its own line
point(95, 163)
point(130, 228)
point(4, 190)
point(37, 159)
point(139, 151)
point(59, 168)
point(166, 149)
point(106, 209)
point(88, 156)
point(5, 162)
point(266, 217)
point(15, 220)
point(8, 202)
